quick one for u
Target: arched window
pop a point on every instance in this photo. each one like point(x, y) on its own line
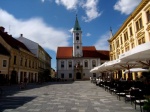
point(62, 64)
point(77, 47)
point(93, 63)
point(77, 38)
point(85, 63)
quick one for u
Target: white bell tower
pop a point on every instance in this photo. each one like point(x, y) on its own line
point(77, 40)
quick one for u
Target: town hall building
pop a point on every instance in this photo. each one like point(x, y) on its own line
point(75, 62)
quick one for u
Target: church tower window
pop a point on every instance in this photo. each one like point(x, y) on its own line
point(77, 38)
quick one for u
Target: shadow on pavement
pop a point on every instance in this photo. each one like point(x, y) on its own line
point(13, 102)
point(13, 89)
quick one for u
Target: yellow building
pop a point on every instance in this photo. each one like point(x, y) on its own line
point(4, 64)
point(43, 58)
point(21, 62)
point(134, 31)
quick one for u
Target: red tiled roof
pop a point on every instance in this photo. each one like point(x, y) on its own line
point(12, 41)
point(104, 54)
point(64, 52)
point(3, 50)
point(88, 51)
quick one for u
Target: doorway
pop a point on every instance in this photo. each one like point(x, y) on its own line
point(78, 75)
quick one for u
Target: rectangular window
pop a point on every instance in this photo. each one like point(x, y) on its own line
point(139, 24)
point(14, 60)
point(70, 75)
point(117, 43)
point(62, 75)
point(21, 61)
point(86, 64)
point(148, 16)
point(62, 64)
point(93, 63)
point(126, 36)
point(131, 33)
point(4, 63)
point(70, 64)
point(121, 40)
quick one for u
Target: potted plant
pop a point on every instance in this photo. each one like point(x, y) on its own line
point(146, 106)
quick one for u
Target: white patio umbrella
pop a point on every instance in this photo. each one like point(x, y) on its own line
point(137, 70)
point(94, 70)
point(120, 65)
point(102, 68)
point(139, 53)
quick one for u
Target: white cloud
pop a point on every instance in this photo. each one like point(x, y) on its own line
point(91, 10)
point(102, 43)
point(42, 0)
point(71, 30)
point(36, 30)
point(88, 34)
point(89, 6)
point(126, 6)
point(69, 4)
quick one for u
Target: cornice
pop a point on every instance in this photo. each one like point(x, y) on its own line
point(130, 17)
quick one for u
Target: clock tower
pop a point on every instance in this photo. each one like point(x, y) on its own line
point(77, 40)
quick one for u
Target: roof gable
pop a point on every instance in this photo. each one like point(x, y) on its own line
point(3, 50)
point(12, 41)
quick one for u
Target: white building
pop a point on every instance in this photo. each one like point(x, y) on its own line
point(44, 59)
point(76, 61)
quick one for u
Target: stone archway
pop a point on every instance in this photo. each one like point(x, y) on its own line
point(78, 75)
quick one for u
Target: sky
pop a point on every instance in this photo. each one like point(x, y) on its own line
point(50, 22)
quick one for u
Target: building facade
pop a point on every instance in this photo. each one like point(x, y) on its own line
point(134, 31)
point(18, 62)
point(44, 59)
point(75, 62)
point(4, 64)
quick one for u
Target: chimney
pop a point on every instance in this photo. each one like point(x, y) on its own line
point(21, 35)
point(2, 29)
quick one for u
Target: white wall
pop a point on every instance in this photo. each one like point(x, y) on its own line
point(66, 70)
point(32, 46)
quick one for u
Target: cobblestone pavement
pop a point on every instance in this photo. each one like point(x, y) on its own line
point(78, 96)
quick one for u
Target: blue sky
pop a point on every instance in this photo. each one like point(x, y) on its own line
point(50, 22)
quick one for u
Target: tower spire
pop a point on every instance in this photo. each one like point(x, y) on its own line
point(111, 34)
point(77, 26)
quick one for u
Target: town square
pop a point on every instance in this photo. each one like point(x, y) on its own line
point(75, 56)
